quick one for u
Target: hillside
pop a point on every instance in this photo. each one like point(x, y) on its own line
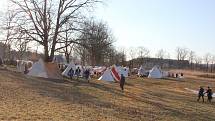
point(28, 98)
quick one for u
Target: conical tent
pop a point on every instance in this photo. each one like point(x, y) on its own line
point(155, 72)
point(123, 70)
point(141, 71)
point(107, 76)
point(66, 71)
point(45, 70)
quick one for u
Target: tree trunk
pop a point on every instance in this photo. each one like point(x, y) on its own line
point(46, 54)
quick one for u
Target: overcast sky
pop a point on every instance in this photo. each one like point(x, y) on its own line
point(160, 24)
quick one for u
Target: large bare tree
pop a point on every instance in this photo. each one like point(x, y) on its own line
point(43, 20)
point(161, 54)
point(132, 55)
point(8, 32)
point(97, 39)
point(207, 59)
point(181, 53)
point(191, 56)
point(142, 53)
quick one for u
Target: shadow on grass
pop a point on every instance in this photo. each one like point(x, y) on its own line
point(69, 91)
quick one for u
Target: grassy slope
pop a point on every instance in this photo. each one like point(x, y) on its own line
point(27, 98)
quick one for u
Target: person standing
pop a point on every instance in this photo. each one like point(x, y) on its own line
point(71, 73)
point(209, 94)
point(78, 72)
point(87, 75)
point(201, 94)
point(122, 82)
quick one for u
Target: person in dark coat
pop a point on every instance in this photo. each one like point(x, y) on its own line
point(209, 94)
point(71, 73)
point(78, 72)
point(201, 94)
point(1, 62)
point(87, 75)
point(122, 82)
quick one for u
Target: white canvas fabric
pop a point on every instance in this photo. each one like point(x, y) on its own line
point(123, 70)
point(38, 69)
point(155, 72)
point(107, 76)
point(99, 69)
point(22, 64)
point(66, 71)
point(141, 71)
point(45, 70)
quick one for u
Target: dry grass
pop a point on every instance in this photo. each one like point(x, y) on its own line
point(28, 98)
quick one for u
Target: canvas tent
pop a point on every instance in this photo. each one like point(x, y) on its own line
point(155, 72)
point(23, 66)
point(45, 70)
point(141, 72)
point(123, 70)
point(107, 76)
point(66, 71)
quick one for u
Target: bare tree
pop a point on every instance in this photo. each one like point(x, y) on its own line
point(191, 57)
point(43, 20)
point(8, 31)
point(161, 54)
point(212, 63)
point(207, 59)
point(198, 62)
point(142, 53)
point(97, 39)
point(132, 54)
point(122, 55)
point(82, 53)
point(181, 53)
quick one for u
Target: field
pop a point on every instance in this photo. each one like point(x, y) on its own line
point(28, 98)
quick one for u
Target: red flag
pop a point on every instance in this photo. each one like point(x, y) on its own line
point(115, 73)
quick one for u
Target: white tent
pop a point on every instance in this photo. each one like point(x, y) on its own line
point(22, 65)
point(141, 71)
point(155, 72)
point(66, 71)
point(107, 76)
point(123, 70)
point(45, 70)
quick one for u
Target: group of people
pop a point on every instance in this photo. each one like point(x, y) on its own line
point(202, 93)
point(86, 75)
point(77, 72)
